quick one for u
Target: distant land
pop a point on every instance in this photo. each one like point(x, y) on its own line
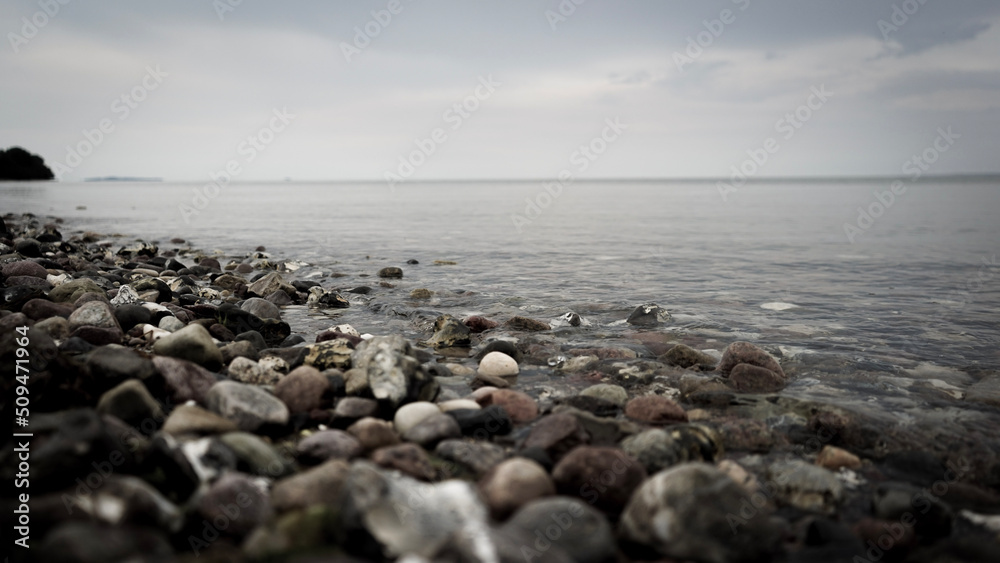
point(122, 179)
point(19, 164)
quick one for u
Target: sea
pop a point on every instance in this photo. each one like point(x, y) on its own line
point(879, 293)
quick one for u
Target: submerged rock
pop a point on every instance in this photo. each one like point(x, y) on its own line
point(649, 314)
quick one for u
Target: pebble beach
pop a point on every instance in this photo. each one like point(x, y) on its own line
point(191, 405)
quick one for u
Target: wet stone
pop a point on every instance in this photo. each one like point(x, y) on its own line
point(747, 353)
point(655, 409)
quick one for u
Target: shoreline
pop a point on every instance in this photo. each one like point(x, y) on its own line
point(215, 429)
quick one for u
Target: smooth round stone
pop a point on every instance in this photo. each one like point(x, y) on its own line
point(754, 379)
point(190, 419)
point(131, 402)
point(833, 458)
point(302, 389)
point(513, 483)
point(478, 394)
point(410, 459)
point(433, 429)
point(322, 484)
point(25, 268)
point(38, 309)
point(373, 433)
point(184, 381)
point(456, 404)
point(261, 308)
point(498, 364)
point(171, 324)
point(412, 414)
point(747, 353)
point(192, 343)
point(582, 473)
point(235, 489)
point(248, 406)
point(612, 393)
point(391, 272)
point(129, 316)
point(70, 291)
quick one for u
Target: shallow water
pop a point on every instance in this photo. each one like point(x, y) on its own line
point(891, 321)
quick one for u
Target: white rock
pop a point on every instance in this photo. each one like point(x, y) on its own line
point(347, 329)
point(498, 364)
point(458, 404)
point(171, 324)
point(412, 414)
point(274, 363)
point(152, 333)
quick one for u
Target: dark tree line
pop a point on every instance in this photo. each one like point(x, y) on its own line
point(19, 164)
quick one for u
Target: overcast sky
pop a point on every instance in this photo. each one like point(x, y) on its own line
point(557, 76)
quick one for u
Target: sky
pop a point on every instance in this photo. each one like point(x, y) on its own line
point(410, 90)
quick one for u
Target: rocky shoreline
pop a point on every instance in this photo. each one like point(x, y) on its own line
point(177, 415)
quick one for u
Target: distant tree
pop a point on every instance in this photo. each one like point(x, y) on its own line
point(19, 164)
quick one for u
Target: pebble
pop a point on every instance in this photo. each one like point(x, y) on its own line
point(483, 423)
point(527, 325)
point(449, 332)
point(433, 429)
point(412, 414)
point(131, 402)
point(753, 379)
point(303, 389)
point(615, 394)
point(834, 458)
point(512, 484)
point(497, 364)
point(747, 353)
point(24, 268)
point(649, 314)
point(94, 314)
point(319, 485)
point(807, 486)
point(475, 457)
point(261, 308)
point(478, 324)
point(457, 404)
point(192, 343)
point(373, 433)
point(192, 419)
point(410, 459)
point(235, 489)
point(326, 445)
point(257, 456)
point(655, 409)
point(556, 435)
point(604, 477)
point(248, 371)
point(686, 357)
point(184, 380)
point(571, 524)
point(391, 272)
point(520, 407)
point(249, 407)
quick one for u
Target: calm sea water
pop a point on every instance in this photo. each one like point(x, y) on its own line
point(916, 293)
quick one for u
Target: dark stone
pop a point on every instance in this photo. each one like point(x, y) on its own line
point(164, 294)
point(479, 324)
point(99, 336)
point(410, 459)
point(753, 379)
point(482, 423)
point(390, 272)
point(746, 353)
point(593, 405)
point(655, 409)
point(39, 309)
point(28, 247)
point(503, 346)
point(254, 338)
point(583, 473)
point(527, 325)
point(556, 435)
point(649, 314)
point(132, 315)
point(450, 333)
point(687, 357)
point(292, 340)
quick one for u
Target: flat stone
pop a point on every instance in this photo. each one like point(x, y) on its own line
point(184, 380)
point(261, 308)
point(613, 393)
point(192, 343)
point(527, 325)
point(373, 433)
point(473, 456)
point(433, 429)
point(328, 444)
point(256, 456)
point(747, 353)
point(70, 291)
point(95, 314)
point(556, 435)
point(834, 458)
point(519, 406)
point(583, 472)
point(235, 489)
point(410, 459)
point(191, 419)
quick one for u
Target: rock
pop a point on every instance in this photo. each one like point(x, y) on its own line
point(411, 459)
point(585, 534)
point(604, 477)
point(457, 404)
point(261, 308)
point(373, 433)
point(126, 296)
point(393, 374)
point(38, 309)
point(514, 483)
point(56, 327)
point(421, 293)
point(412, 414)
point(807, 486)
point(592, 405)
point(129, 316)
point(520, 407)
point(479, 324)
point(490, 381)
point(24, 268)
point(303, 390)
point(238, 349)
point(433, 429)
point(612, 393)
point(96, 314)
point(895, 502)
point(404, 516)
point(192, 343)
point(556, 435)
point(506, 346)
point(450, 333)
point(29, 248)
point(687, 358)
point(319, 297)
point(497, 364)
point(753, 379)
point(475, 457)
point(270, 283)
point(98, 336)
point(252, 504)
point(328, 444)
point(658, 449)
point(257, 457)
point(121, 500)
point(834, 458)
point(986, 391)
point(526, 324)
point(655, 409)
point(184, 380)
point(746, 353)
point(649, 314)
point(248, 371)
point(322, 484)
point(351, 409)
point(391, 272)
point(190, 419)
point(483, 423)
point(685, 513)
point(171, 324)
point(329, 355)
point(163, 291)
point(249, 407)
point(69, 292)
point(131, 402)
